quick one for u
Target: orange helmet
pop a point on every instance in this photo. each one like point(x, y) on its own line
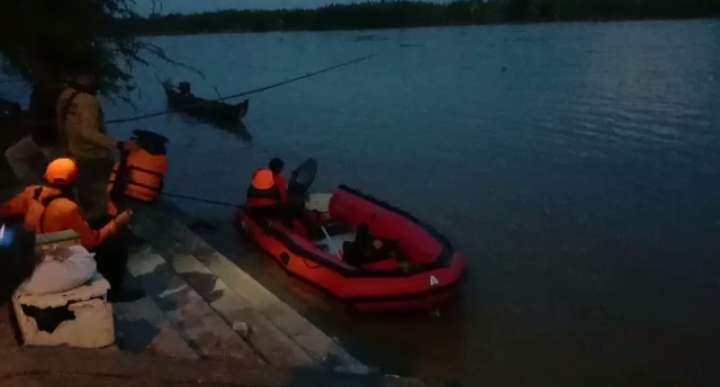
point(62, 171)
point(263, 179)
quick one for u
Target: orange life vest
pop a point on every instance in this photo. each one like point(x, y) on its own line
point(145, 175)
point(263, 192)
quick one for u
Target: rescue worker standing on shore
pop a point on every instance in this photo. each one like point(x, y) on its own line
point(80, 123)
point(50, 207)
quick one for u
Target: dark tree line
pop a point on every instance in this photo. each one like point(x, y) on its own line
point(382, 14)
point(611, 9)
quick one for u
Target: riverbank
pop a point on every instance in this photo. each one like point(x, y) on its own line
point(411, 14)
point(203, 321)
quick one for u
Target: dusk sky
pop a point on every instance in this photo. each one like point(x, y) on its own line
point(144, 7)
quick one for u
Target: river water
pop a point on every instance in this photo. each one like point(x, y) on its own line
point(577, 165)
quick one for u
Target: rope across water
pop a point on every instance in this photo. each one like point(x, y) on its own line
point(246, 93)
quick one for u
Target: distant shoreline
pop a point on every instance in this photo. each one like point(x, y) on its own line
point(495, 24)
point(414, 14)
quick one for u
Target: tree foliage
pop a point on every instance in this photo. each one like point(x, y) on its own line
point(48, 39)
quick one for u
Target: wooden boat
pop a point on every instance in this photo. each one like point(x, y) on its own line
point(182, 99)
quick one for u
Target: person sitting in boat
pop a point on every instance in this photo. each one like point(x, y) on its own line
point(268, 192)
point(184, 89)
point(365, 248)
point(264, 199)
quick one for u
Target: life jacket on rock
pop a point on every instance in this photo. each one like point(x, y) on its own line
point(263, 191)
point(143, 171)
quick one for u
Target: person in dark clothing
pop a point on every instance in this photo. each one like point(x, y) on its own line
point(29, 156)
point(365, 248)
point(184, 89)
point(112, 258)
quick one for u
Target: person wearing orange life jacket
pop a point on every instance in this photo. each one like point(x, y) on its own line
point(268, 189)
point(140, 173)
point(50, 207)
point(263, 196)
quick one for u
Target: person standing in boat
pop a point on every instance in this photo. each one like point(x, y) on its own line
point(80, 124)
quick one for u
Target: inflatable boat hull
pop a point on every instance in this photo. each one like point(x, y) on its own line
point(427, 280)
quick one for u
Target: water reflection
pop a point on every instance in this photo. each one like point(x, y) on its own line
point(237, 129)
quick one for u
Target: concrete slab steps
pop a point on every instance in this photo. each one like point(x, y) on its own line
point(203, 305)
point(183, 309)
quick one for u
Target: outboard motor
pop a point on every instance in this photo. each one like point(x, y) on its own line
point(301, 179)
point(17, 259)
point(142, 173)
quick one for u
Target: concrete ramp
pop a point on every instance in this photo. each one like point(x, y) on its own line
point(201, 305)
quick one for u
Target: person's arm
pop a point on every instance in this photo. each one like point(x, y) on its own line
point(90, 238)
point(18, 205)
point(90, 122)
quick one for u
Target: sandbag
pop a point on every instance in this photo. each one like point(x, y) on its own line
point(61, 269)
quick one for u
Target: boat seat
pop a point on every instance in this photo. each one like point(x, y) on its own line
point(319, 202)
